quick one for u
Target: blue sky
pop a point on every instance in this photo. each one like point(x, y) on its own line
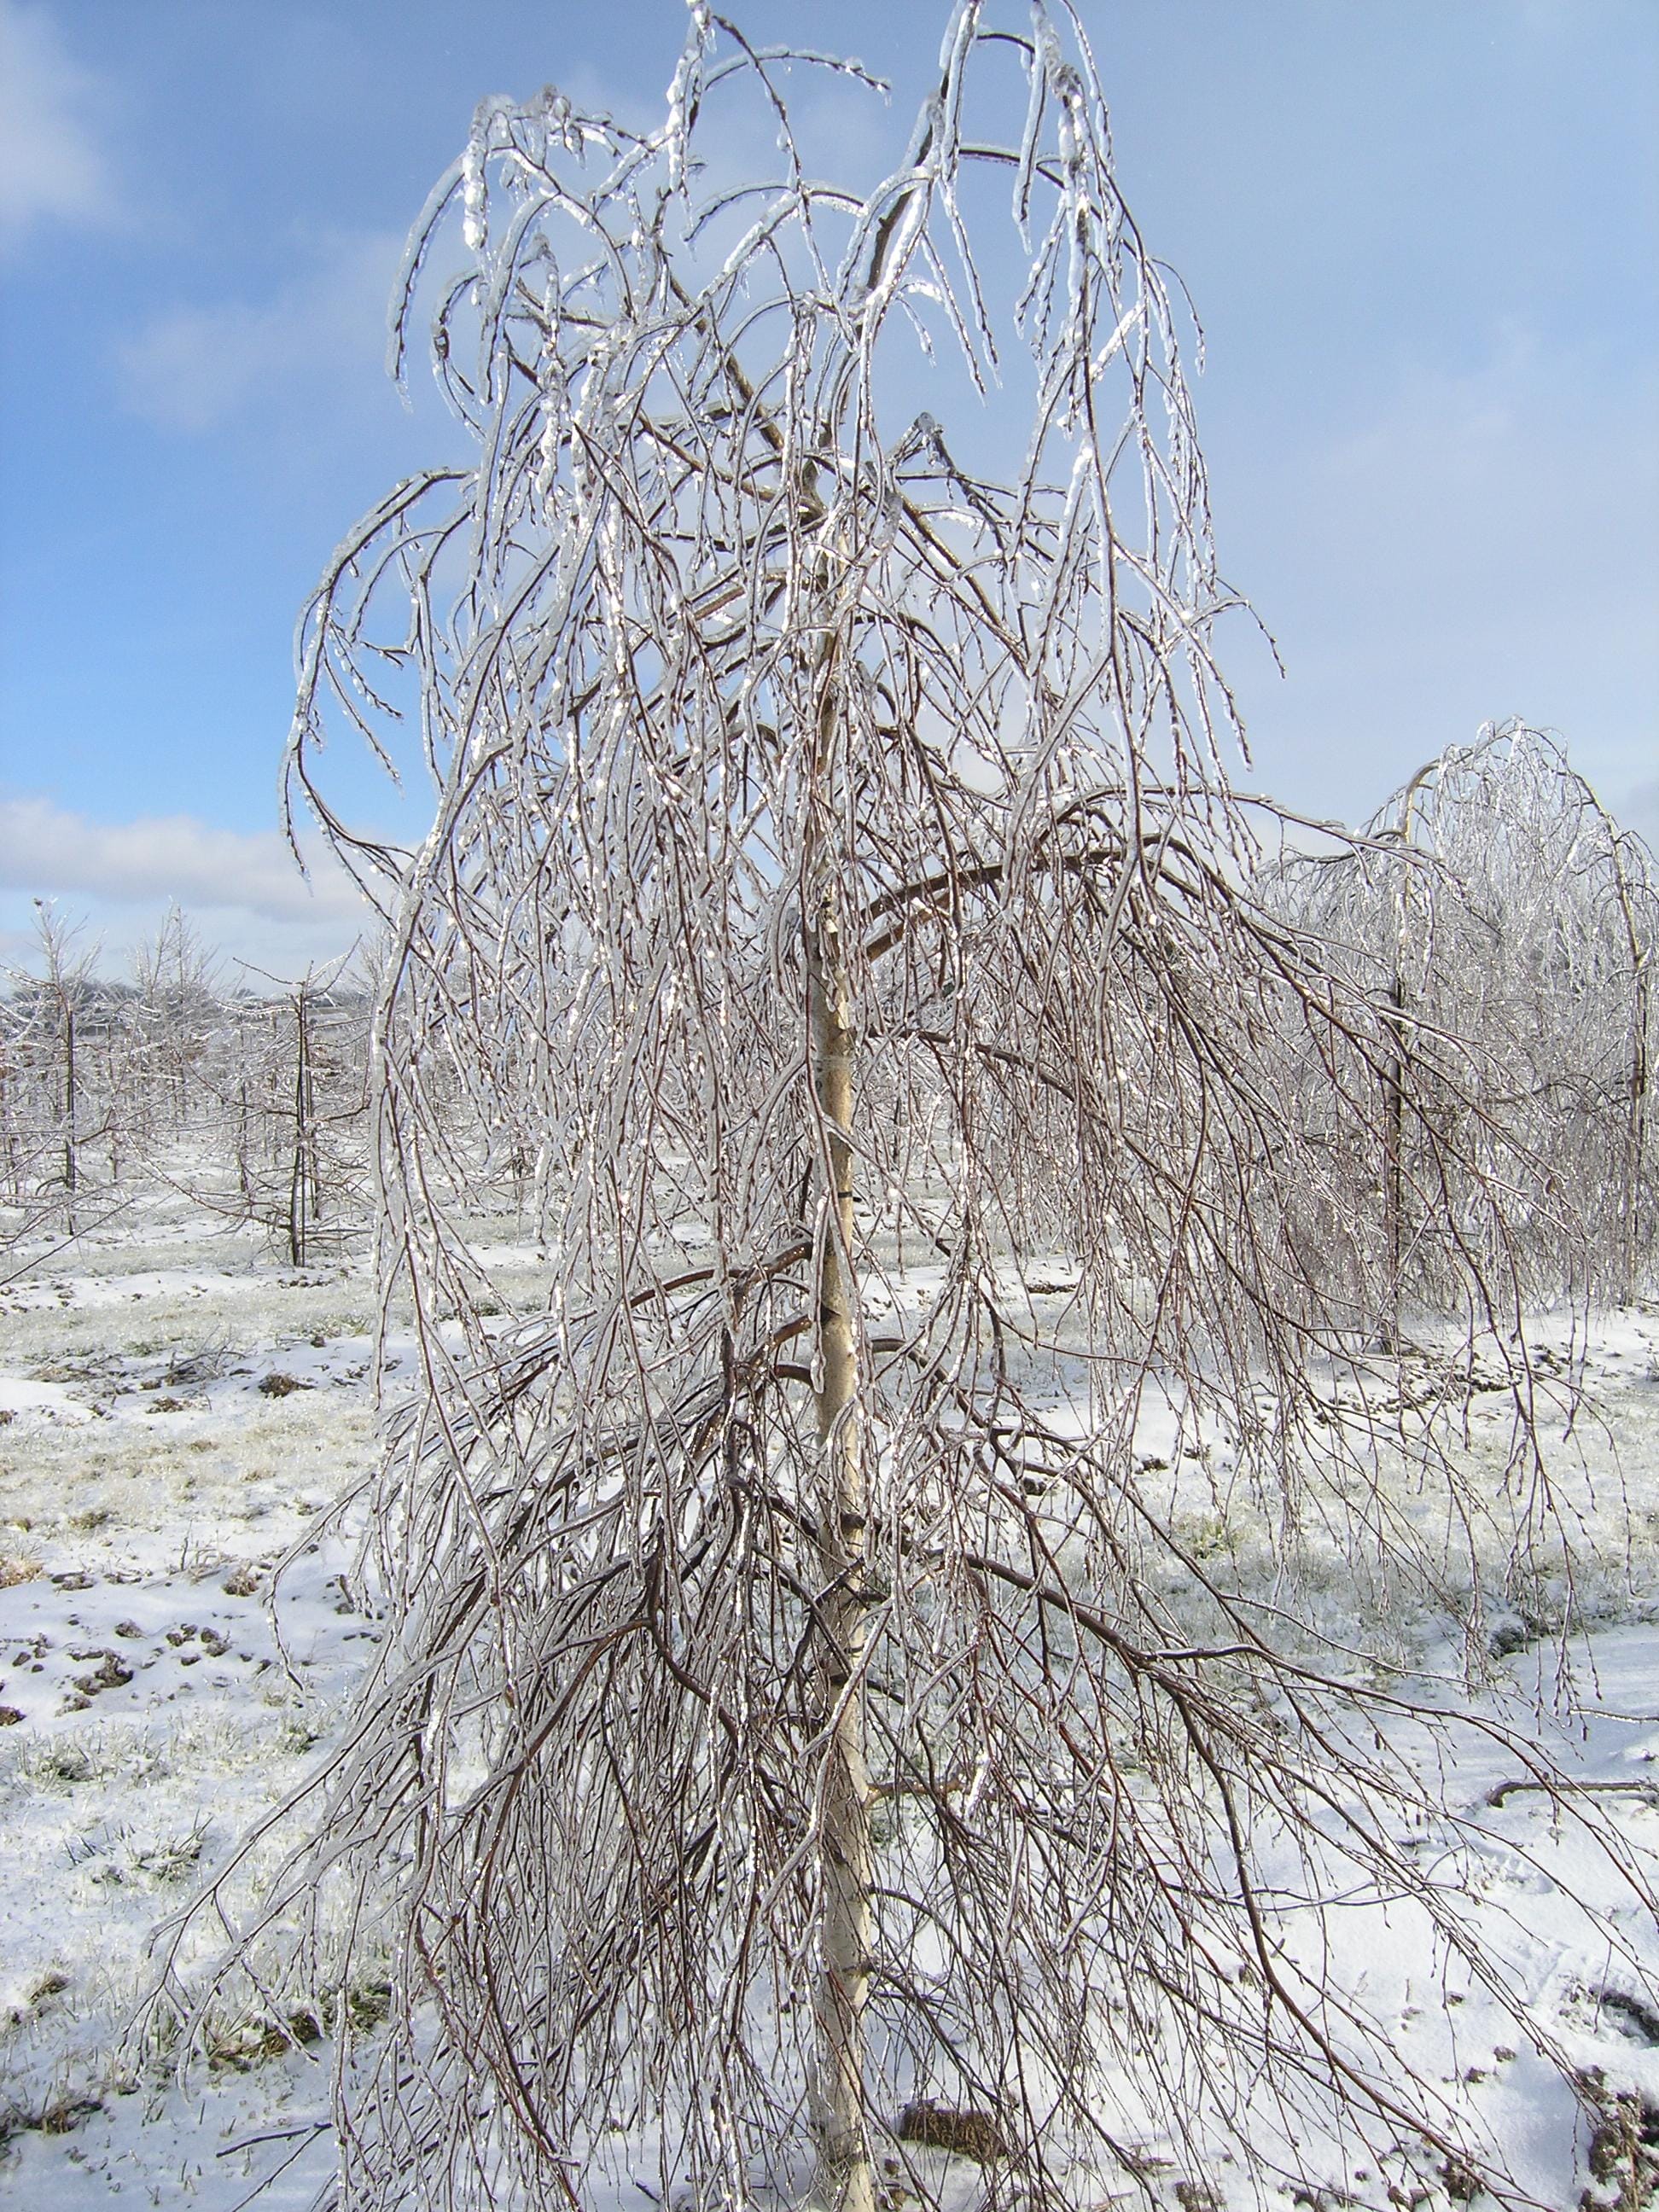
point(1423, 236)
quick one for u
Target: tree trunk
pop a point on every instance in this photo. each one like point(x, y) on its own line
point(244, 1165)
point(1636, 1143)
point(845, 2180)
point(1636, 1127)
point(298, 1176)
point(1394, 1157)
point(1396, 1075)
point(71, 1098)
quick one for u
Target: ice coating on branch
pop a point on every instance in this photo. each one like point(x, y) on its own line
point(555, 396)
point(473, 202)
point(475, 191)
point(682, 92)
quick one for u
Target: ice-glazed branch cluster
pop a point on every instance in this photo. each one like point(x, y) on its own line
point(803, 1693)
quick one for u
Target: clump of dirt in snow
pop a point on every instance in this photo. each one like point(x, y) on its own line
point(1624, 2147)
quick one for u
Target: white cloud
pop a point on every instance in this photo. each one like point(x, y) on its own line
point(48, 852)
point(195, 368)
point(242, 890)
point(51, 166)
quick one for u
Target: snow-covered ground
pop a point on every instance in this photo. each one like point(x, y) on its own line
point(176, 1409)
point(173, 1410)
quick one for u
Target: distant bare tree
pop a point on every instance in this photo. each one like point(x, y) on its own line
point(48, 1105)
point(1507, 926)
point(803, 1695)
point(292, 1095)
point(176, 1010)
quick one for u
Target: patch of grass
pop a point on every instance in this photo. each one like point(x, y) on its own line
point(1624, 2149)
point(251, 2043)
point(278, 1385)
point(64, 2114)
point(367, 2005)
point(965, 2134)
point(173, 1857)
point(60, 1761)
point(59, 2115)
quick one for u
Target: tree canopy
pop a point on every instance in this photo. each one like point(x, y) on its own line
point(807, 1709)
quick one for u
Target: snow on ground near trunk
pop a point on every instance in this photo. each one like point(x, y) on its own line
point(175, 1410)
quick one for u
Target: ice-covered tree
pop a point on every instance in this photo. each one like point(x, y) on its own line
point(172, 1018)
point(49, 1108)
point(1506, 926)
point(289, 1080)
point(803, 1696)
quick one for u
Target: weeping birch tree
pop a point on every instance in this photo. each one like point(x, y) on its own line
point(804, 1734)
point(1507, 924)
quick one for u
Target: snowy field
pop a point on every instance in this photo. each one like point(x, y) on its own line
point(175, 1409)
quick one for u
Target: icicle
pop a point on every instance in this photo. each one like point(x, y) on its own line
point(685, 90)
point(1025, 171)
point(475, 191)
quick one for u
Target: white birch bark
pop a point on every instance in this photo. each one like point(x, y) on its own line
point(846, 2180)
